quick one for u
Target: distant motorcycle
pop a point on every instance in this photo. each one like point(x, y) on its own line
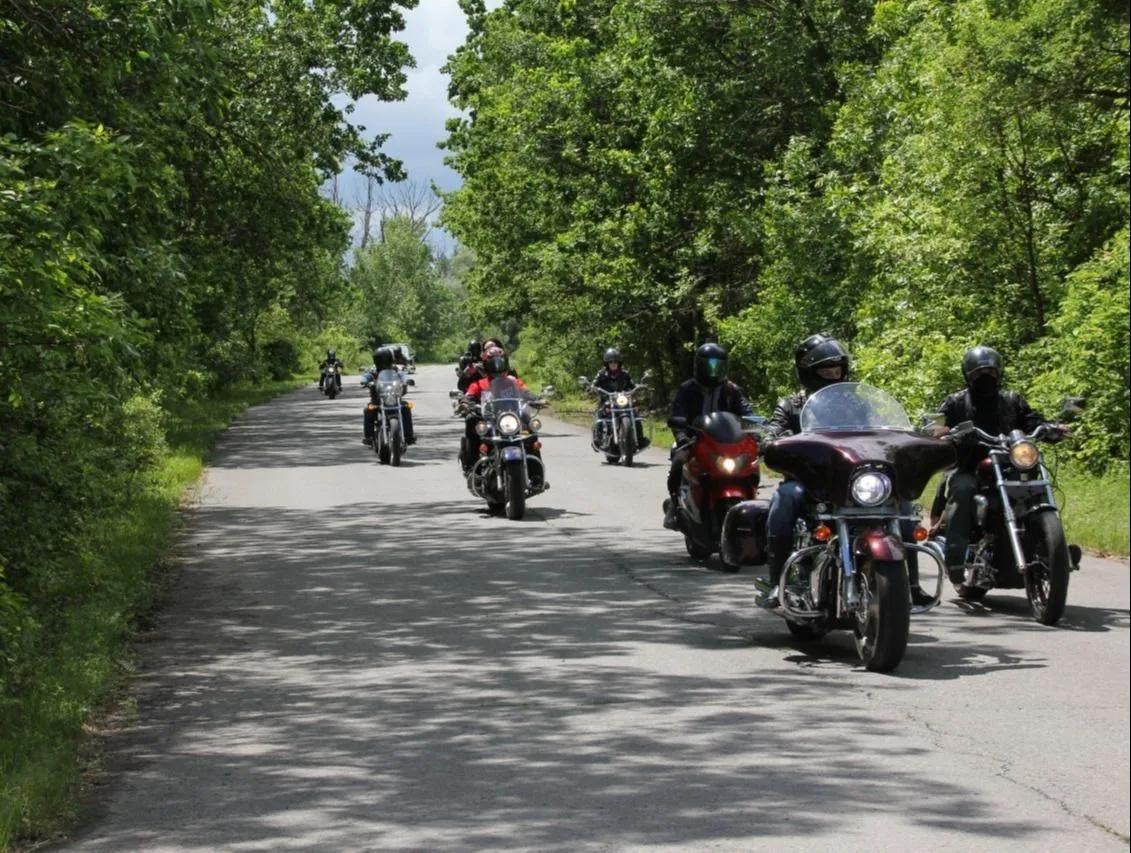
point(386, 393)
point(615, 422)
point(858, 458)
point(509, 468)
point(716, 509)
point(1018, 541)
point(332, 380)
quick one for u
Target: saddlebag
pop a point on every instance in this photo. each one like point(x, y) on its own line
point(743, 541)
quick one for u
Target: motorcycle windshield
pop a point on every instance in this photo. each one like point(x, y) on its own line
point(852, 406)
point(504, 395)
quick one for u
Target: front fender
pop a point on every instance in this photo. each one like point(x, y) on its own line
point(881, 546)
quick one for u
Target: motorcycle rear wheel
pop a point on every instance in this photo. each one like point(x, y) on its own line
point(882, 640)
point(695, 550)
point(1046, 582)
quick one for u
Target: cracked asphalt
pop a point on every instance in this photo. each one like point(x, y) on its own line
point(355, 657)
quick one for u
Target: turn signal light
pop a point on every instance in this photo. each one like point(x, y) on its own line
point(410, 405)
point(483, 448)
point(921, 534)
point(537, 445)
point(823, 533)
point(372, 407)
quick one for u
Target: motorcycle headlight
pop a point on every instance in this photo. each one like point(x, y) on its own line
point(1024, 455)
point(535, 424)
point(481, 428)
point(622, 401)
point(871, 488)
point(509, 424)
point(726, 464)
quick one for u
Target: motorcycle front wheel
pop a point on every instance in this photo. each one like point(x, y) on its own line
point(883, 626)
point(516, 490)
point(627, 440)
point(396, 443)
point(1046, 580)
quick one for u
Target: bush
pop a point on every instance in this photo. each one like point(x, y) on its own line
point(282, 358)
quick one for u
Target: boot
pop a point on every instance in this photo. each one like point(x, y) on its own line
point(670, 520)
point(778, 553)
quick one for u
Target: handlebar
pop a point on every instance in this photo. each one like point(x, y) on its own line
point(966, 428)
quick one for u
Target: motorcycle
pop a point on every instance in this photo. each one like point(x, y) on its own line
point(386, 392)
point(1018, 540)
point(509, 468)
point(716, 510)
point(614, 427)
point(858, 458)
point(332, 380)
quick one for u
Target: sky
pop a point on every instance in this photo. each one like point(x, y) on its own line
point(433, 30)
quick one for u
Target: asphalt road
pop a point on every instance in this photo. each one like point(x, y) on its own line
point(356, 657)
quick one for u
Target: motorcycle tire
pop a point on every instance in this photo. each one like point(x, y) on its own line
point(382, 451)
point(627, 441)
point(1046, 584)
point(882, 640)
point(331, 389)
point(396, 444)
point(516, 490)
point(724, 508)
point(695, 550)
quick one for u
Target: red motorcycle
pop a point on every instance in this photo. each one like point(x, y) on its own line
point(716, 511)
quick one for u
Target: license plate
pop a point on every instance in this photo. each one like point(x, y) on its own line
point(512, 454)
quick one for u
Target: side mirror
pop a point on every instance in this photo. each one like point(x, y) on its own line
point(583, 382)
point(411, 381)
point(647, 374)
point(454, 394)
point(547, 390)
point(931, 419)
point(1072, 407)
point(677, 424)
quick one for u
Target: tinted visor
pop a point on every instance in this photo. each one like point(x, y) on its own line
point(828, 351)
point(715, 368)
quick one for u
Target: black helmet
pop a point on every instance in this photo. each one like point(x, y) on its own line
point(383, 358)
point(331, 354)
point(475, 348)
point(612, 354)
point(495, 362)
point(817, 352)
point(710, 364)
point(980, 361)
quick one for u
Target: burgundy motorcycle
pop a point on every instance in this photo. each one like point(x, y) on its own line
point(859, 459)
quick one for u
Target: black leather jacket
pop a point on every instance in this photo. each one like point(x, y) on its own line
point(786, 419)
point(1011, 412)
point(609, 381)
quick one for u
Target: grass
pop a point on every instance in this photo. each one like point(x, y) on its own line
point(45, 742)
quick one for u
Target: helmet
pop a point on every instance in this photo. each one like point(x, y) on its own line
point(711, 364)
point(331, 354)
point(981, 361)
point(816, 353)
point(475, 347)
point(612, 354)
point(383, 358)
point(495, 362)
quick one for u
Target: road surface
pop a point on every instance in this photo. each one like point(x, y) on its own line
point(356, 657)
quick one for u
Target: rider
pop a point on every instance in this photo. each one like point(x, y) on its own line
point(821, 361)
point(384, 370)
point(495, 364)
point(992, 410)
point(469, 370)
point(613, 378)
point(707, 392)
point(329, 362)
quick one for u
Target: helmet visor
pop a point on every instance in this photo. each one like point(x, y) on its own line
point(713, 368)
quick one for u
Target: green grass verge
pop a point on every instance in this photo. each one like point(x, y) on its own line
point(79, 672)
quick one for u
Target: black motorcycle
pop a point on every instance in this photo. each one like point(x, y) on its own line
point(386, 401)
point(332, 380)
point(509, 468)
point(1018, 540)
point(615, 422)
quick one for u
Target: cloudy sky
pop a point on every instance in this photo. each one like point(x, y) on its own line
point(433, 30)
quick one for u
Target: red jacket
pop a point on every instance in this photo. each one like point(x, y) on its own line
point(484, 384)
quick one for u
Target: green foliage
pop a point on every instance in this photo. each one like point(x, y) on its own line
point(912, 176)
